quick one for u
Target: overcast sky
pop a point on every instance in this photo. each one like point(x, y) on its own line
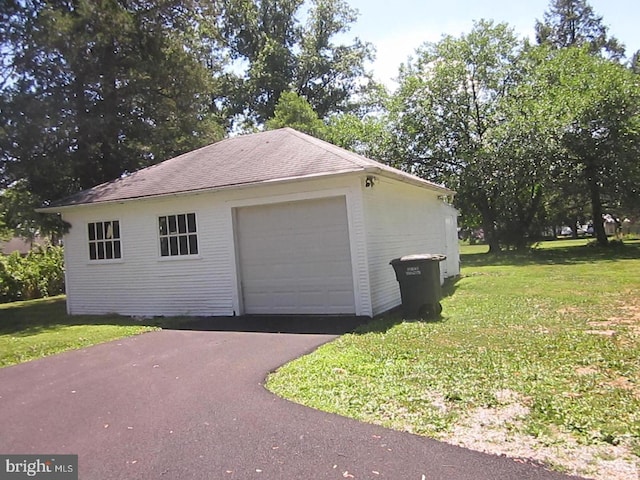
point(398, 27)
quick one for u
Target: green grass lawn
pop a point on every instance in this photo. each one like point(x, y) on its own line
point(542, 348)
point(38, 328)
point(552, 336)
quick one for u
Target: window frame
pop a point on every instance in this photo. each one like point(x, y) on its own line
point(179, 234)
point(96, 240)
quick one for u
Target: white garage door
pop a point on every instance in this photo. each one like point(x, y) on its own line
point(295, 258)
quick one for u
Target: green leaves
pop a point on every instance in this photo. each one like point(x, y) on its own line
point(461, 120)
point(294, 111)
point(39, 274)
point(368, 136)
point(527, 136)
point(573, 23)
point(97, 89)
point(593, 105)
point(283, 52)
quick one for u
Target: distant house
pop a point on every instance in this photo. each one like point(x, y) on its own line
point(21, 245)
point(271, 223)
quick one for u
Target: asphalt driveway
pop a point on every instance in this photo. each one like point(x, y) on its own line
point(191, 405)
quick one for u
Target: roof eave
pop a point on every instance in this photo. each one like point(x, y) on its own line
point(411, 179)
point(374, 170)
point(242, 186)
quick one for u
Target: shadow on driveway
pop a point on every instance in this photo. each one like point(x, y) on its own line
point(31, 318)
point(180, 404)
point(300, 324)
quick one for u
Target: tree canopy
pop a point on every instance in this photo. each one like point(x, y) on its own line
point(529, 135)
point(295, 111)
point(598, 127)
point(573, 23)
point(277, 51)
point(92, 90)
point(449, 116)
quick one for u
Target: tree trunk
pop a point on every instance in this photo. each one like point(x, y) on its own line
point(527, 213)
point(488, 225)
point(84, 166)
point(488, 222)
point(110, 164)
point(574, 227)
point(596, 206)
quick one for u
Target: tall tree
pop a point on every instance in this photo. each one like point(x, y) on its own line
point(450, 113)
point(572, 23)
point(367, 135)
point(277, 52)
point(595, 105)
point(92, 90)
point(366, 129)
point(329, 74)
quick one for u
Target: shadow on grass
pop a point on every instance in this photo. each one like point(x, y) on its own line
point(384, 322)
point(22, 319)
point(30, 318)
point(569, 255)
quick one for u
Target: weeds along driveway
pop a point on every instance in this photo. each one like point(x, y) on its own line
point(191, 405)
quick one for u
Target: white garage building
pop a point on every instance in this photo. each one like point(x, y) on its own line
point(271, 223)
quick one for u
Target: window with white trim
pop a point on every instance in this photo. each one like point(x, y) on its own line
point(104, 240)
point(178, 235)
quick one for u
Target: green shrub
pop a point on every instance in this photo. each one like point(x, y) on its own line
point(38, 274)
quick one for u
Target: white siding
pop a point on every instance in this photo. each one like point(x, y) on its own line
point(400, 220)
point(145, 284)
point(359, 253)
point(389, 220)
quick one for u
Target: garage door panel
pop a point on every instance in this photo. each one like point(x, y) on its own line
point(340, 299)
point(312, 298)
point(255, 297)
point(295, 257)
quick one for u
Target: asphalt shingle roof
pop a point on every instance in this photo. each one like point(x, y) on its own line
point(271, 156)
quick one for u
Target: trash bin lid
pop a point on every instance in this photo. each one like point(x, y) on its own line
point(433, 257)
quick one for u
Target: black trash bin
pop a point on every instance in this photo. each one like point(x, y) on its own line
point(419, 279)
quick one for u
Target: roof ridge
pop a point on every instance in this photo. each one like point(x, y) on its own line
point(283, 154)
point(349, 155)
point(334, 149)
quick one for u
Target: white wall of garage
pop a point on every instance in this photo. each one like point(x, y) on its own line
point(386, 220)
point(401, 220)
point(143, 283)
